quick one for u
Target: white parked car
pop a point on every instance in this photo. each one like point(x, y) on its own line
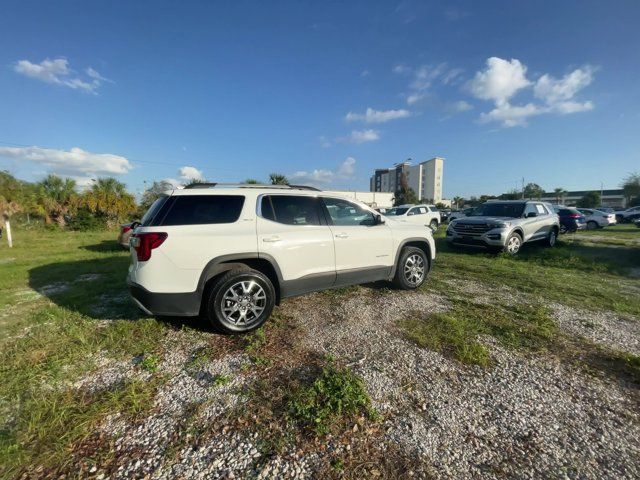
point(623, 215)
point(233, 252)
point(427, 215)
point(597, 218)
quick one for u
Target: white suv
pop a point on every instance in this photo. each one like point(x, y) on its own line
point(233, 252)
point(427, 215)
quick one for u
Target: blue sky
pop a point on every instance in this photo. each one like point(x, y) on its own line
point(322, 91)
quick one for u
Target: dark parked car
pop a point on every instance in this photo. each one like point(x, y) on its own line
point(570, 219)
point(444, 215)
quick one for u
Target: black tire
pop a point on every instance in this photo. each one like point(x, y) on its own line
point(433, 225)
point(552, 238)
point(233, 278)
point(401, 280)
point(513, 244)
point(592, 225)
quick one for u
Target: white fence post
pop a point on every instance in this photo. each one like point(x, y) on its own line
point(8, 228)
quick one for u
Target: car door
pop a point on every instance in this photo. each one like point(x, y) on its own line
point(293, 232)
point(535, 222)
point(363, 246)
point(417, 215)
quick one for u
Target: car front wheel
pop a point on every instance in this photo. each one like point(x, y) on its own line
point(412, 269)
point(513, 245)
point(241, 301)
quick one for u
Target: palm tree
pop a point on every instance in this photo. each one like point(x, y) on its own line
point(251, 181)
point(108, 197)
point(57, 198)
point(278, 179)
point(559, 193)
point(457, 201)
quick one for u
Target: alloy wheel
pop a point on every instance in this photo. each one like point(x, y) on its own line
point(243, 303)
point(414, 269)
point(513, 245)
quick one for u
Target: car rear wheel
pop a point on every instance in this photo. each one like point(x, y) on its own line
point(513, 244)
point(591, 225)
point(240, 301)
point(412, 269)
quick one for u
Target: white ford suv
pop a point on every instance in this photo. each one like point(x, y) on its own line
point(231, 252)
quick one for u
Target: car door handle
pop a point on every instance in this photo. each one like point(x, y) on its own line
point(275, 238)
point(342, 235)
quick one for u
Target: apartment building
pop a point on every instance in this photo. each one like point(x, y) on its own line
point(425, 178)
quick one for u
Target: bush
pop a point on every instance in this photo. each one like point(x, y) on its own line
point(85, 221)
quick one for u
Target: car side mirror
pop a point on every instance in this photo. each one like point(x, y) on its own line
point(135, 224)
point(379, 219)
point(532, 214)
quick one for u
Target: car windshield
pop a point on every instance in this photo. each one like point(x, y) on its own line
point(397, 211)
point(511, 210)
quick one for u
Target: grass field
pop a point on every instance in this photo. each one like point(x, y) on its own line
point(64, 306)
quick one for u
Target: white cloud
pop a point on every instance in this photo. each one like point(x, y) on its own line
point(500, 81)
point(75, 163)
point(365, 73)
point(176, 184)
point(460, 106)
point(510, 115)
point(558, 93)
point(401, 69)
point(188, 174)
point(345, 170)
point(363, 136)
point(377, 116)
point(347, 167)
point(425, 76)
point(57, 72)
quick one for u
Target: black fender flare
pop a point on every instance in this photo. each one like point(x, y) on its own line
point(403, 244)
point(223, 263)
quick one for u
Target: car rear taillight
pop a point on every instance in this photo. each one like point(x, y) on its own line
point(126, 228)
point(574, 215)
point(143, 243)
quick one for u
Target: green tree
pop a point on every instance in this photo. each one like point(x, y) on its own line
point(589, 200)
point(251, 181)
point(108, 198)
point(631, 187)
point(278, 179)
point(152, 193)
point(533, 190)
point(57, 199)
point(560, 193)
point(458, 202)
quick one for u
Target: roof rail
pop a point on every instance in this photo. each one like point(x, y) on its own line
point(200, 185)
point(249, 185)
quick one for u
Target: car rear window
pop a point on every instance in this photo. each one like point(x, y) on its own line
point(155, 207)
point(202, 210)
point(569, 211)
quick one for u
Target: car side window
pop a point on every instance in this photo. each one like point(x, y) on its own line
point(530, 208)
point(433, 209)
point(541, 209)
point(345, 213)
point(290, 209)
point(417, 211)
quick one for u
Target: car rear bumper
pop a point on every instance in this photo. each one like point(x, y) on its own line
point(165, 304)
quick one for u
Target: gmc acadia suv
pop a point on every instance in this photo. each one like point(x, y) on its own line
point(233, 252)
point(506, 225)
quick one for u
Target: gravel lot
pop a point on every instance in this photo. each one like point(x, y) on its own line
point(526, 416)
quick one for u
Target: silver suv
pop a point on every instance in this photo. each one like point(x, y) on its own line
point(506, 225)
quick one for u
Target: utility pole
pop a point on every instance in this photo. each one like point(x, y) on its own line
point(523, 188)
